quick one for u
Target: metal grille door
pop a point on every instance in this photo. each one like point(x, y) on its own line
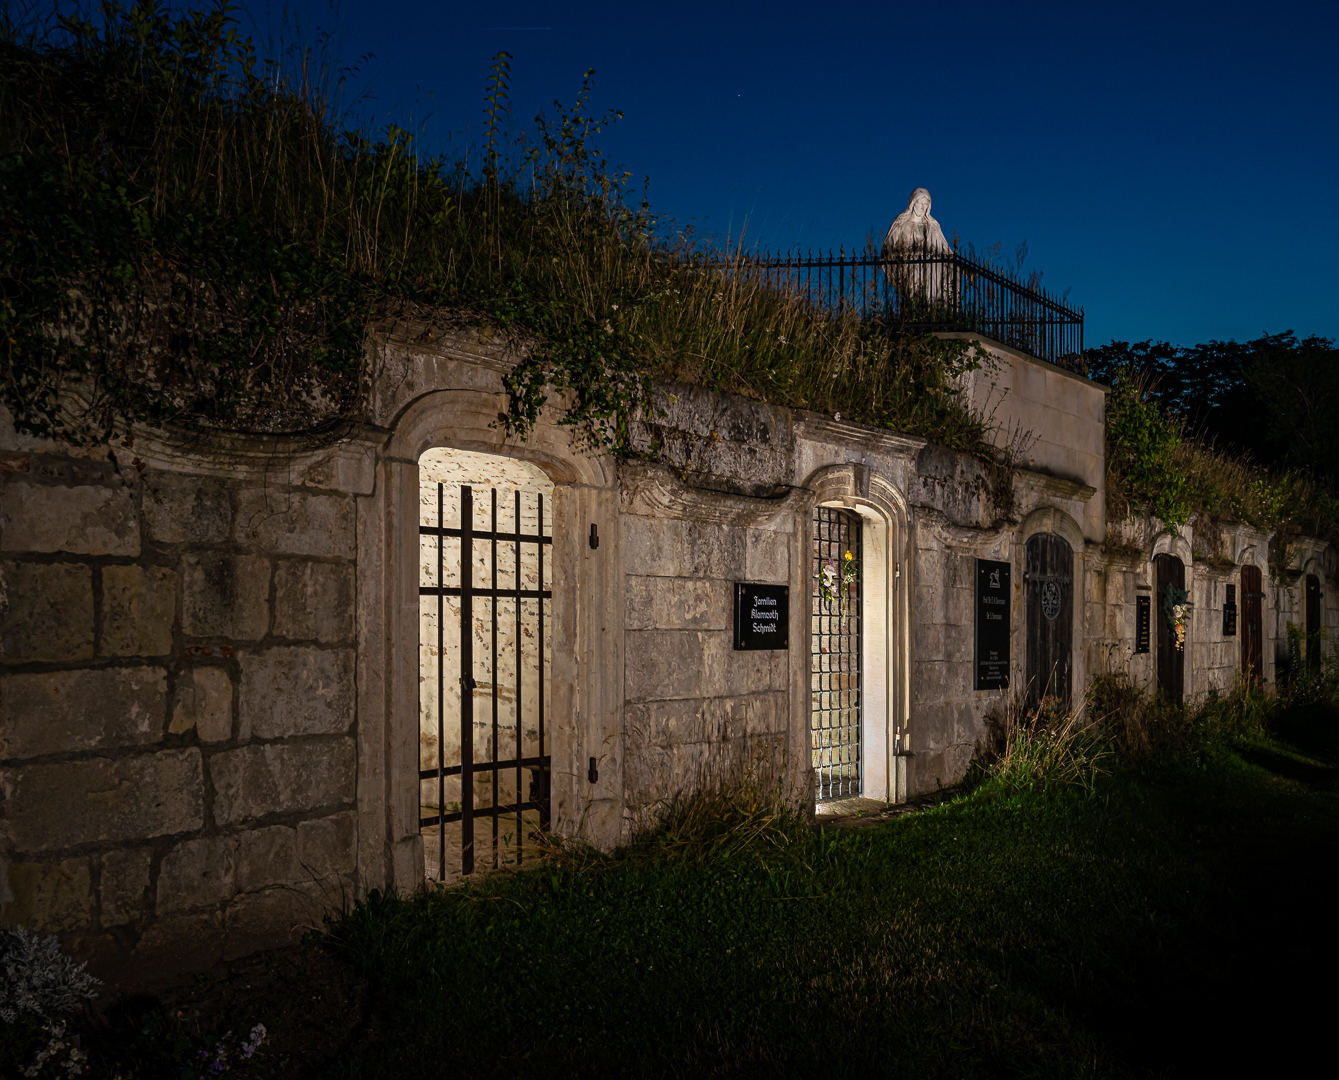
point(482, 760)
point(835, 660)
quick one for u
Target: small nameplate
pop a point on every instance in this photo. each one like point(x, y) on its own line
point(993, 603)
point(762, 616)
point(1141, 624)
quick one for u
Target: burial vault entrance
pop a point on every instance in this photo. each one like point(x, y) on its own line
point(1048, 579)
point(836, 605)
point(1170, 578)
point(485, 575)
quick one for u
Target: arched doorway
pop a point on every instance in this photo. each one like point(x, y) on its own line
point(836, 689)
point(485, 617)
point(1170, 582)
point(1252, 623)
point(1048, 598)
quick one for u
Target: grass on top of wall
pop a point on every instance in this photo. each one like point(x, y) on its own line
point(198, 234)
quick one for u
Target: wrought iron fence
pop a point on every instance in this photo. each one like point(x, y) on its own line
point(931, 291)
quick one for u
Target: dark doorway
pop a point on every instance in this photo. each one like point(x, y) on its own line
point(1048, 582)
point(1252, 623)
point(1313, 622)
point(1170, 574)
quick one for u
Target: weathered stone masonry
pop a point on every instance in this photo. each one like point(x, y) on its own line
point(209, 687)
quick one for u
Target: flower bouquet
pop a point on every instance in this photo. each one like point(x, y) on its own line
point(835, 579)
point(1176, 607)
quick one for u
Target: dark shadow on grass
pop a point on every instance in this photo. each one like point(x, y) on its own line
point(1311, 773)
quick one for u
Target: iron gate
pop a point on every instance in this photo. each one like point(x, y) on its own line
point(835, 652)
point(526, 624)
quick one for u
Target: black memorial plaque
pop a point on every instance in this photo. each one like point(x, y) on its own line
point(762, 616)
point(1230, 612)
point(993, 596)
point(1141, 623)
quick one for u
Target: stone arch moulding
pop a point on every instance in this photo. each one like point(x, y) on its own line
point(587, 626)
point(1050, 519)
point(887, 654)
point(1176, 544)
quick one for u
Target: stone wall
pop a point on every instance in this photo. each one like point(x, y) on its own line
point(176, 706)
point(212, 681)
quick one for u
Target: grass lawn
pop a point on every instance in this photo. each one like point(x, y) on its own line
point(1176, 921)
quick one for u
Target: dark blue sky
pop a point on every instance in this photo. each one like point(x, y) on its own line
point(1176, 165)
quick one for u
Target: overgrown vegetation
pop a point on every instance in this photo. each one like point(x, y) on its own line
point(192, 236)
point(1220, 431)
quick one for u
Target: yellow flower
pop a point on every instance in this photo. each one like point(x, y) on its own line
point(849, 556)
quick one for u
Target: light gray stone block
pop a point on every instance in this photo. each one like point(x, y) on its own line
point(313, 601)
point(50, 612)
point(139, 607)
point(267, 857)
point(297, 523)
point(226, 596)
point(48, 896)
point(180, 509)
point(124, 884)
point(258, 780)
point(80, 520)
point(102, 800)
point(296, 691)
point(328, 846)
point(62, 711)
point(204, 702)
point(197, 873)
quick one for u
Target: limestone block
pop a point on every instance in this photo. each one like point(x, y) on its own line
point(663, 603)
point(49, 896)
point(138, 610)
point(259, 780)
point(267, 857)
point(661, 664)
point(197, 873)
point(182, 509)
point(745, 671)
point(669, 547)
point(50, 612)
point(80, 520)
point(124, 884)
point(296, 691)
point(767, 556)
point(204, 702)
point(313, 601)
point(60, 711)
point(225, 596)
point(269, 920)
point(328, 846)
point(102, 800)
point(297, 523)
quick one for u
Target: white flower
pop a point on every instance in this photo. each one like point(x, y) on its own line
point(836, 416)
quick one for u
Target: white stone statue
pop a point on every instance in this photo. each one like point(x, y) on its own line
point(914, 232)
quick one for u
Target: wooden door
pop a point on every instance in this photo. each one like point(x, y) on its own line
point(1048, 583)
point(1252, 623)
point(1170, 573)
point(1313, 622)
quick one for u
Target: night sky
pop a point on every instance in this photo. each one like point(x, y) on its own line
point(1175, 165)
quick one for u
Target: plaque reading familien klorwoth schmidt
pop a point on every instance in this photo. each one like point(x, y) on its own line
point(993, 596)
point(762, 616)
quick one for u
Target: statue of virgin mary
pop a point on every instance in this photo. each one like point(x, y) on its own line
point(913, 251)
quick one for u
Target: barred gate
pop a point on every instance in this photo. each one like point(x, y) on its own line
point(835, 682)
point(506, 618)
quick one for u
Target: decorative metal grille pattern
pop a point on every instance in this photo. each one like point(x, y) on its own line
point(453, 790)
point(835, 661)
